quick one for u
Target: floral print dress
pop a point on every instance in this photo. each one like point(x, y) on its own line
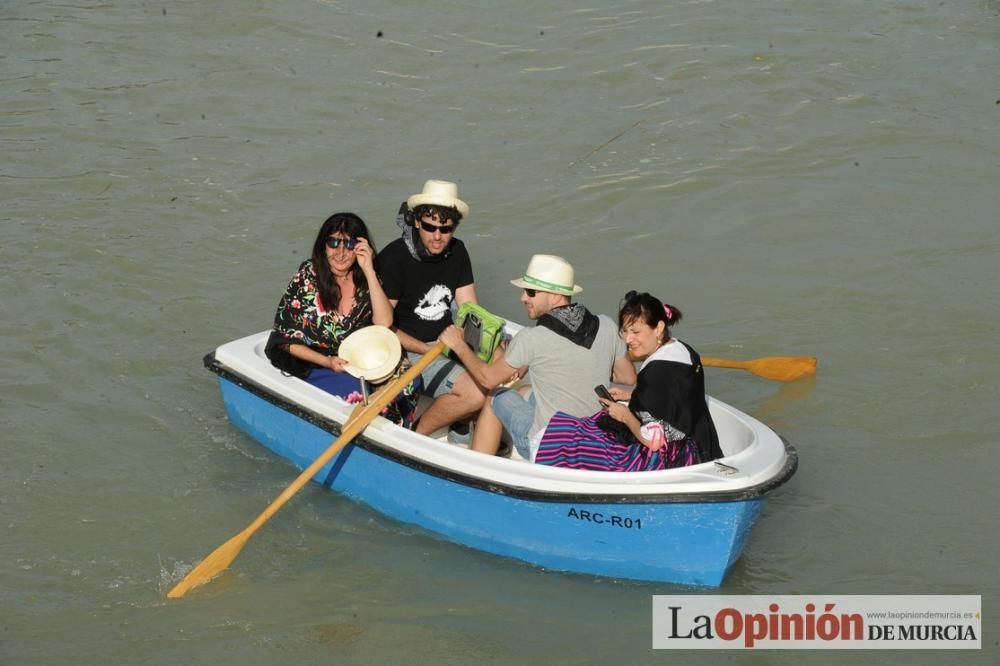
point(302, 318)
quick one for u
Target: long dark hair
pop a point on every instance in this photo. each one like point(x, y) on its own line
point(354, 227)
point(649, 309)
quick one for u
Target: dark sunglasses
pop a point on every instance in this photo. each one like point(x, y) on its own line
point(431, 228)
point(334, 243)
point(530, 292)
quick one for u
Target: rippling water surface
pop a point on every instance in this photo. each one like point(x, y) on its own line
point(800, 178)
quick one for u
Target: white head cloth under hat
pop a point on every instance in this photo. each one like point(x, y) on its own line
point(547, 272)
point(439, 193)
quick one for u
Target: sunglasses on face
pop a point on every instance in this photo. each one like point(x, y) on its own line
point(431, 228)
point(530, 293)
point(334, 243)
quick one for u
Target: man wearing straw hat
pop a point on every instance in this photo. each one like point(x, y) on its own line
point(423, 273)
point(568, 352)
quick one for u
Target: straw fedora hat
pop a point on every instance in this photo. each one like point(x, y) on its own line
point(547, 272)
point(439, 193)
point(372, 353)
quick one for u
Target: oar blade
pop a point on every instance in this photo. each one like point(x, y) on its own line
point(220, 558)
point(783, 368)
point(215, 563)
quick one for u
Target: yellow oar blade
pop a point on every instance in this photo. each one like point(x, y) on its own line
point(784, 368)
point(220, 558)
point(214, 564)
point(778, 368)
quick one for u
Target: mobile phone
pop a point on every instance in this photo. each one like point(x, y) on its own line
point(602, 392)
point(473, 330)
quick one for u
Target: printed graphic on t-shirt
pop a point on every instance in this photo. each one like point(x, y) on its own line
point(434, 304)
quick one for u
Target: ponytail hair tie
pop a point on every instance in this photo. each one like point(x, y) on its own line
point(667, 311)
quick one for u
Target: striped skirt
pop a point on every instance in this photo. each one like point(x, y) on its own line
point(579, 443)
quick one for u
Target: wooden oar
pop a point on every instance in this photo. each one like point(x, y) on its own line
point(220, 558)
point(780, 368)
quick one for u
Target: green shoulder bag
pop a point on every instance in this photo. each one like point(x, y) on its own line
point(483, 329)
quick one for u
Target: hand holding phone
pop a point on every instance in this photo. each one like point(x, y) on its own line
point(602, 392)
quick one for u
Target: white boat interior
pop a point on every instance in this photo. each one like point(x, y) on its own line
point(754, 454)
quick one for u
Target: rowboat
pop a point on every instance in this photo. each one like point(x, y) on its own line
point(685, 526)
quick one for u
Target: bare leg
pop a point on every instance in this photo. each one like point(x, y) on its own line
point(466, 398)
point(487, 433)
point(489, 429)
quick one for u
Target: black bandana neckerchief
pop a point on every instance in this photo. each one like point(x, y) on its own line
point(573, 322)
point(412, 239)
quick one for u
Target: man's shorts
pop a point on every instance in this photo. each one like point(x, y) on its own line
point(516, 413)
point(439, 377)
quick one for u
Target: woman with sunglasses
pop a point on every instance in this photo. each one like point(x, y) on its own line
point(666, 422)
point(333, 294)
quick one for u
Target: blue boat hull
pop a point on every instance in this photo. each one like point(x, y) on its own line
point(676, 540)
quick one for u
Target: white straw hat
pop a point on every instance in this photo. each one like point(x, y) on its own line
point(372, 353)
point(547, 272)
point(439, 193)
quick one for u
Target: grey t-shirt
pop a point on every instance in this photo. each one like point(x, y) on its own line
point(563, 374)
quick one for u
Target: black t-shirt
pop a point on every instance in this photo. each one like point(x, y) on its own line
point(424, 291)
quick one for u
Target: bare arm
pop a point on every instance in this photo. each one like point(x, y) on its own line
point(623, 371)
point(466, 294)
point(304, 353)
point(620, 393)
point(407, 341)
point(486, 375)
point(381, 308)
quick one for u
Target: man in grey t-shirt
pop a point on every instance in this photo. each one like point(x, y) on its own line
point(569, 352)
